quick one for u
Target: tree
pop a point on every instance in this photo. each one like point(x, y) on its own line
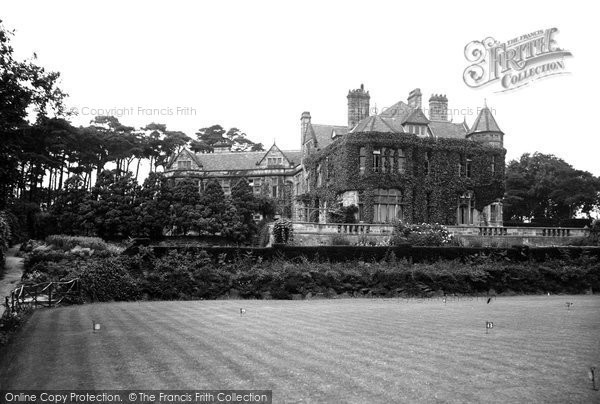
point(245, 204)
point(161, 144)
point(542, 186)
point(23, 86)
point(215, 208)
point(207, 138)
point(67, 207)
point(113, 207)
point(239, 141)
point(155, 198)
point(186, 209)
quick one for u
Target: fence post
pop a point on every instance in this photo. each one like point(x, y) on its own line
point(50, 294)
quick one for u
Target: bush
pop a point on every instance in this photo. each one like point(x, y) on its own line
point(339, 239)
point(420, 234)
point(11, 322)
point(67, 243)
point(105, 280)
point(4, 233)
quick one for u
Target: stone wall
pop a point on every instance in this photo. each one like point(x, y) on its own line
point(324, 234)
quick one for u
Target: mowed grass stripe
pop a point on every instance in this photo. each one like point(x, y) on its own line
point(245, 344)
point(354, 350)
point(150, 351)
point(488, 364)
point(38, 359)
point(302, 359)
point(205, 355)
point(341, 354)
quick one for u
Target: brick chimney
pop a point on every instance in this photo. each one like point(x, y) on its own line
point(414, 98)
point(304, 122)
point(438, 107)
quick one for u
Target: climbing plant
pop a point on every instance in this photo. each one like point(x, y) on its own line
point(431, 181)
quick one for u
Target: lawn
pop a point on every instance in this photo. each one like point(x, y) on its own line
point(348, 350)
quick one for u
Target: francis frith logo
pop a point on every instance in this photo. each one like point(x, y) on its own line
point(514, 63)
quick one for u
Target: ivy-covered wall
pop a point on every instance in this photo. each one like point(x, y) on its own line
point(339, 171)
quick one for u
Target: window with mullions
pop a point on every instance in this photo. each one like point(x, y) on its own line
point(465, 166)
point(362, 159)
point(401, 161)
point(184, 165)
point(377, 160)
point(468, 164)
point(493, 165)
point(225, 186)
point(388, 205)
point(466, 208)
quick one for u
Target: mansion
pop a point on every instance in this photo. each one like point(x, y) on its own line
point(399, 164)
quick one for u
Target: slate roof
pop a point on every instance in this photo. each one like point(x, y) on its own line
point(449, 129)
point(392, 119)
point(485, 122)
point(322, 133)
point(377, 123)
point(239, 160)
point(416, 116)
point(235, 161)
point(399, 110)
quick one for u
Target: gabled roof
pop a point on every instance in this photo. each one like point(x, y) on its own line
point(322, 134)
point(292, 156)
point(274, 147)
point(377, 123)
point(236, 161)
point(416, 116)
point(448, 129)
point(405, 113)
point(399, 110)
point(339, 131)
point(485, 122)
point(184, 151)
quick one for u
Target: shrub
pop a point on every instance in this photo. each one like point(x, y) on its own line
point(339, 239)
point(11, 322)
point(4, 233)
point(67, 243)
point(106, 280)
point(420, 234)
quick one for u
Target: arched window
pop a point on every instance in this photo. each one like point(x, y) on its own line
point(388, 205)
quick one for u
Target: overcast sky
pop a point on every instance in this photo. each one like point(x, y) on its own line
point(257, 65)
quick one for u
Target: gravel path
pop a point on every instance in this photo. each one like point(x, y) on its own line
point(12, 274)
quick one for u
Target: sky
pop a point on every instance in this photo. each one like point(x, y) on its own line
point(257, 65)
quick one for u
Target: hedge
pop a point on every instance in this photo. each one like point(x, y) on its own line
point(198, 275)
point(341, 253)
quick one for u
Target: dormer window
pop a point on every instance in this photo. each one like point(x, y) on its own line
point(184, 165)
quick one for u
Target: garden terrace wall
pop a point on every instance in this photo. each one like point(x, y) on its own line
point(367, 253)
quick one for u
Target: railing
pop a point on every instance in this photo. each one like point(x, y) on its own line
point(42, 294)
point(518, 231)
point(343, 228)
point(487, 231)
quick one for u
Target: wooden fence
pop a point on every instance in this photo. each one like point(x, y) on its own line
point(47, 294)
